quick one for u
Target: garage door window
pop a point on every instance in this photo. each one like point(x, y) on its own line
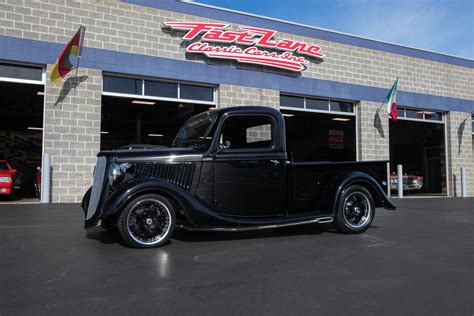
point(23, 73)
point(158, 90)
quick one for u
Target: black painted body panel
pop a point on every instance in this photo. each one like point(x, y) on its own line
point(310, 181)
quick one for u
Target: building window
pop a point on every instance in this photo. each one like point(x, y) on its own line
point(21, 73)
point(161, 89)
point(122, 85)
point(158, 90)
point(193, 92)
point(420, 115)
point(292, 101)
point(316, 105)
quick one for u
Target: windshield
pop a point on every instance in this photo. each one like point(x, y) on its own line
point(3, 166)
point(195, 132)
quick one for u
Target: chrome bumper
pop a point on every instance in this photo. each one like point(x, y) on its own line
point(96, 192)
point(407, 187)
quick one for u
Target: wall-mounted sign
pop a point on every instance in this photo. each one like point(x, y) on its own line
point(249, 45)
point(336, 139)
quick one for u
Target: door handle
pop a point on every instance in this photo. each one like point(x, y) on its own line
point(275, 162)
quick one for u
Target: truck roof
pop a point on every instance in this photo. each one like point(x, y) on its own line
point(280, 138)
point(249, 109)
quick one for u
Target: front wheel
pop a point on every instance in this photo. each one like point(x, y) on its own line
point(147, 221)
point(355, 210)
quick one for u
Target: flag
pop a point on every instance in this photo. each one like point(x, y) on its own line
point(63, 65)
point(391, 101)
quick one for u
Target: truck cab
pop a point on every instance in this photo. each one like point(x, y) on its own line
point(229, 170)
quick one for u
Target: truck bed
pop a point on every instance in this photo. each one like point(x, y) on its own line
point(308, 180)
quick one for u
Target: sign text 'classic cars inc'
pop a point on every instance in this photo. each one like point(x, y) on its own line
point(285, 54)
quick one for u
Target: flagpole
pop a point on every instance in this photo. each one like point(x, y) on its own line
point(385, 98)
point(81, 43)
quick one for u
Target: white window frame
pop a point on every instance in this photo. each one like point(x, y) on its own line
point(27, 81)
point(143, 96)
point(329, 111)
point(403, 118)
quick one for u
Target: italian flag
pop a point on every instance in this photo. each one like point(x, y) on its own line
point(391, 101)
point(63, 65)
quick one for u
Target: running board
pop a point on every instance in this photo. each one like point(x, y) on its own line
point(320, 220)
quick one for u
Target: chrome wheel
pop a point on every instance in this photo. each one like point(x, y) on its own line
point(357, 209)
point(149, 222)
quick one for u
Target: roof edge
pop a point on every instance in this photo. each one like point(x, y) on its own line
point(195, 2)
point(238, 17)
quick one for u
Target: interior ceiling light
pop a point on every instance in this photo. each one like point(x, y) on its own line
point(341, 119)
point(288, 115)
point(102, 132)
point(155, 135)
point(143, 102)
point(40, 93)
point(35, 128)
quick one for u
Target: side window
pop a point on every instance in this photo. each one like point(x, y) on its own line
point(247, 132)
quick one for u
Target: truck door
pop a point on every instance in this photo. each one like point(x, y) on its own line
point(249, 167)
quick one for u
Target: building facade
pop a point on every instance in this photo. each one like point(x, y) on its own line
point(138, 80)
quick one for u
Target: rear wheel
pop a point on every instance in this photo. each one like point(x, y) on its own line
point(147, 221)
point(355, 210)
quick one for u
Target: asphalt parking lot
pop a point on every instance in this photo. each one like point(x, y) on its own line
point(417, 260)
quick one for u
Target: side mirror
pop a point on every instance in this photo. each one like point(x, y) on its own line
point(221, 146)
point(14, 170)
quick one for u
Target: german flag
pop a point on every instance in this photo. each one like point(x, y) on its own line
point(63, 65)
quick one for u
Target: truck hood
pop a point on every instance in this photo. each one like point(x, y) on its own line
point(169, 154)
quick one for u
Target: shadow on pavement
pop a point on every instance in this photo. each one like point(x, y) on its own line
point(204, 236)
point(113, 237)
point(105, 237)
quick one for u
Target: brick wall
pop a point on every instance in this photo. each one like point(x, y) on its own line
point(230, 95)
point(373, 130)
point(460, 151)
point(72, 132)
point(129, 28)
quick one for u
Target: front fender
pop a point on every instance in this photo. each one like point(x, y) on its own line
point(195, 210)
point(341, 182)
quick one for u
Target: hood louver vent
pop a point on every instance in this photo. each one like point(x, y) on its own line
point(180, 174)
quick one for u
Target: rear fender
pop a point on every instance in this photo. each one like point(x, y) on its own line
point(340, 183)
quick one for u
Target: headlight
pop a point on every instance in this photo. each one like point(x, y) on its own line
point(114, 172)
point(117, 171)
point(5, 179)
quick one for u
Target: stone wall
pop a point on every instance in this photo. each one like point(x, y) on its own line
point(460, 154)
point(230, 95)
point(373, 131)
point(72, 132)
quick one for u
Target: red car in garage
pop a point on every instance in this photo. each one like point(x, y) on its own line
point(7, 178)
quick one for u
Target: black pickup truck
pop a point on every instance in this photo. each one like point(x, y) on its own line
point(228, 170)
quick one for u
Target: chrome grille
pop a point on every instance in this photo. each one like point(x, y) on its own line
point(99, 175)
point(180, 174)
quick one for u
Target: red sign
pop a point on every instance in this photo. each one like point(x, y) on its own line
point(288, 53)
point(336, 139)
